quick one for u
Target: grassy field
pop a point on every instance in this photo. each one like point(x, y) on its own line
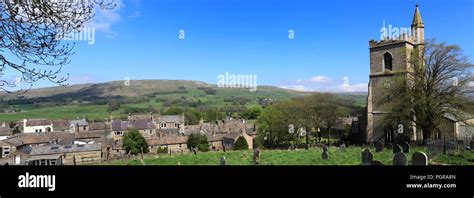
point(352, 156)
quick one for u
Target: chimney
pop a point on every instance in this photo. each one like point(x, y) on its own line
point(24, 124)
point(152, 117)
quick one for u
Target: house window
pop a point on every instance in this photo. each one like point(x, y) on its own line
point(6, 151)
point(387, 61)
point(118, 133)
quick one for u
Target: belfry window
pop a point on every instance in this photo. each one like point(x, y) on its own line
point(387, 61)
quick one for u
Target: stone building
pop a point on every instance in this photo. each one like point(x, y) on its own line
point(389, 58)
point(229, 139)
point(88, 154)
point(79, 125)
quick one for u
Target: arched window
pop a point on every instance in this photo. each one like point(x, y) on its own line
point(387, 61)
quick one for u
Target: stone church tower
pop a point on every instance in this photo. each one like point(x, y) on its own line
point(389, 58)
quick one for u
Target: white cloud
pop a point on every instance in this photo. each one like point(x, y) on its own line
point(105, 18)
point(315, 80)
point(320, 79)
point(360, 87)
point(324, 84)
point(296, 87)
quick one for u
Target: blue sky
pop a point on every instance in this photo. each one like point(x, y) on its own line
point(139, 39)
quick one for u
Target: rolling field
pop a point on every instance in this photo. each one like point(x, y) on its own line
point(156, 90)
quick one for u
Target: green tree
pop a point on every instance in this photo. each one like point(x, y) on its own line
point(213, 114)
point(198, 141)
point(331, 113)
point(241, 144)
point(113, 105)
point(252, 113)
point(314, 111)
point(134, 142)
point(437, 85)
point(273, 126)
point(173, 111)
point(192, 116)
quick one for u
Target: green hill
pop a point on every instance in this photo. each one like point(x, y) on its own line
point(90, 100)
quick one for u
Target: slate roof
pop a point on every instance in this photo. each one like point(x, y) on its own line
point(215, 138)
point(81, 122)
point(233, 135)
point(90, 135)
point(63, 138)
point(167, 140)
point(96, 126)
point(58, 149)
point(170, 118)
point(461, 117)
point(143, 124)
point(119, 125)
point(60, 125)
point(38, 122)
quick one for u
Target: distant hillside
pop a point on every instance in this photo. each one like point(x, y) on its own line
point(157, 88)
point(90, 100)
point(107, 89)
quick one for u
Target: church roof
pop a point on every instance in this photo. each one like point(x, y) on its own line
point(417, 22)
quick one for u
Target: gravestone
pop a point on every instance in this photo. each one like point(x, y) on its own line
point(397, 148)
point(389, 146)
point(419, 159)
point(325, 148)
point(222, 161)
point(379, 147)
point(325, 155)
point(256, 156)
point(367, 157)
point(400, 159)
point(377, 163)
point(342, 147)
point(406, 147)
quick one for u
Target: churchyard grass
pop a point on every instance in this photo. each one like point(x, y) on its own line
point(351, 156)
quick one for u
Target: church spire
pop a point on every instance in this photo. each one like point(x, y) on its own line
point(418, 28)
point(417, 22)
